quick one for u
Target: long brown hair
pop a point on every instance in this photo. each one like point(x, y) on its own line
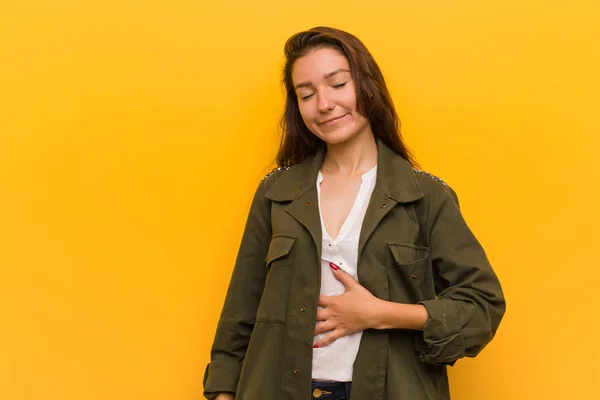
point(373, 98)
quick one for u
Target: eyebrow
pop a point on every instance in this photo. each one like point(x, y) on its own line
point(326, 76)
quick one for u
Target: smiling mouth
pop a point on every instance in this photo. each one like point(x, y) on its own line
point(331, 120)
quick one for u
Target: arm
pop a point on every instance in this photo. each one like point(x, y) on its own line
point(241, 303)
point(459, 322)
point(390, 315)
point(470, 304)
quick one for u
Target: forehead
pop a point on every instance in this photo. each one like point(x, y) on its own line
point(314, 65)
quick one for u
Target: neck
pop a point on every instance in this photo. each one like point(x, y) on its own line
point(353, 157)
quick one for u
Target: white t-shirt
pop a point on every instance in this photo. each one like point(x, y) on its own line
point(335, 362)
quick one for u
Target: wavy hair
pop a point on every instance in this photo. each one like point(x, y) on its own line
point(373, 98)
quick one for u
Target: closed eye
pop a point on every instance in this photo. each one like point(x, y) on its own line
point(338, 86)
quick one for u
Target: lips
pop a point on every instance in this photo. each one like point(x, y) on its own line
point(332, 120)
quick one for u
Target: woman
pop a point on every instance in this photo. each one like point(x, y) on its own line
point(356, 272)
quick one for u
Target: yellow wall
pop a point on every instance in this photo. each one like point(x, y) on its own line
point(133, 134)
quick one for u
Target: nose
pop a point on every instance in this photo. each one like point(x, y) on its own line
point(325, 103)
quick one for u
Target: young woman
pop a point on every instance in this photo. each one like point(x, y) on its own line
point(356, 272)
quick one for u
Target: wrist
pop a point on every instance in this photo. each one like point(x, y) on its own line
point(378, 315)
point(391, 315)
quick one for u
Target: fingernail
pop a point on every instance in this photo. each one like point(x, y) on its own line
point(333, 266)
point(315, 347)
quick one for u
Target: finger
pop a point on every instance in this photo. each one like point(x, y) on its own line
point(322, 314)
point(347, 280)
point(324, 301)
point(332, 337)
point(325, 326)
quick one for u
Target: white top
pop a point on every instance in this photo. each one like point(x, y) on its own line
point(335, 362)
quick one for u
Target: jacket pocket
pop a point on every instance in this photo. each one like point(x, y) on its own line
point(407, 254)
point(279, 263)
point(409, 275)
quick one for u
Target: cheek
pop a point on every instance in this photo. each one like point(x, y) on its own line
point(306, 113)
point(350, 97)
point(352, 102)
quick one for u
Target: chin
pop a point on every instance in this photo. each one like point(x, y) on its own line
point(338, 136)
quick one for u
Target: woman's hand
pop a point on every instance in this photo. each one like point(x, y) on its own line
point(347, 313)
point(357, 309)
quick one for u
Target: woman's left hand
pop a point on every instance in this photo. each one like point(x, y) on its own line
point(347, 313)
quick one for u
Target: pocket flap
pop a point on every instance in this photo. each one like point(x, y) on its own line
point(406, 254)
point(279, 247)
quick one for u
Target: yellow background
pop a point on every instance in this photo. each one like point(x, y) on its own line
point(133, 135)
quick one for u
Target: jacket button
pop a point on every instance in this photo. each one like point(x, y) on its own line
point(302, 309)
point(295, 372)
point(308, 204)
point(384, 205)
point(414, 276)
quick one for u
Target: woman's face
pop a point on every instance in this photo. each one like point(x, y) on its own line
point(327, 96)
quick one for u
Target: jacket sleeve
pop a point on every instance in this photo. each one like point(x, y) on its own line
point(241, 303)
point(470, 304)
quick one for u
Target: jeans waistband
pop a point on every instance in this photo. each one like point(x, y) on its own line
point(322, 390)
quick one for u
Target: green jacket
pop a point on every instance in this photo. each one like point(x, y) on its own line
point(414, 247)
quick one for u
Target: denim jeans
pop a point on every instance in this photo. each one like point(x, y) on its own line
point(330, 390)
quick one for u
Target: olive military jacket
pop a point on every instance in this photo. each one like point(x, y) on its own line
point(414, 247)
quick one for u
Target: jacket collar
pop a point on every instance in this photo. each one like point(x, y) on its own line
point(395, 177)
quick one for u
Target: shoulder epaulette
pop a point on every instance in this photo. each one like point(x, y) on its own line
point(274, 171)
point(435, 178)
